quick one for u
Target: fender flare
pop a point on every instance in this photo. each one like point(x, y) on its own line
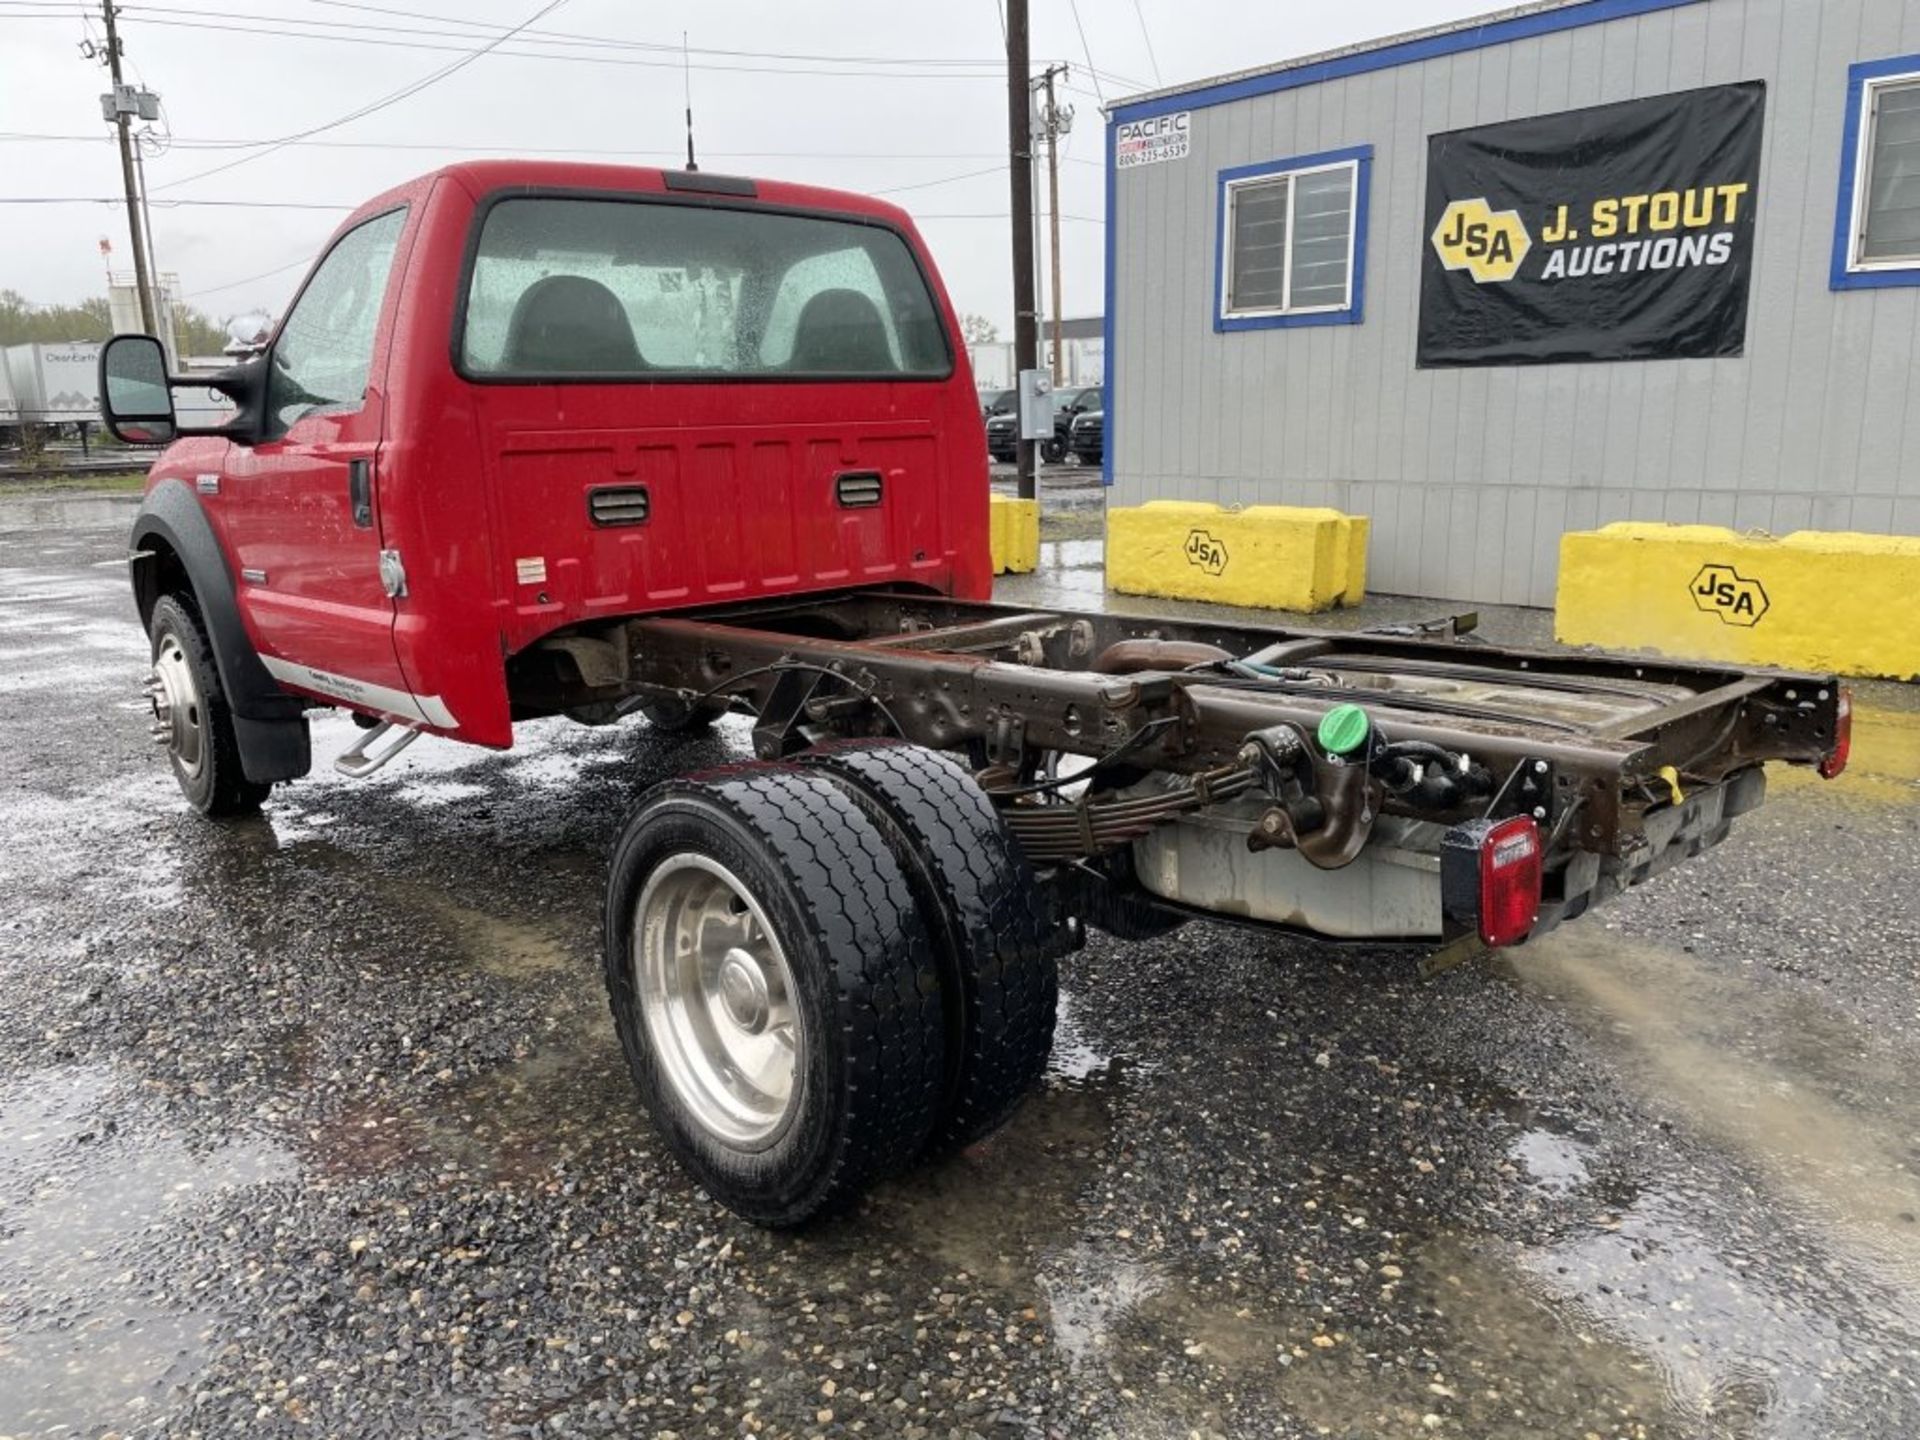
point(269, 723)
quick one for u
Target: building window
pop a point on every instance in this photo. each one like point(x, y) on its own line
point(1292, 241)
point(1877, 229)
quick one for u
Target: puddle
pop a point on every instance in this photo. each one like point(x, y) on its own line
point(1072, 554)
point(107, 845)
point(511, 949)
point(1556, 1163)
point(522, 1121)
point(1091, 1293)
point(81, 512)
point(518, 1122)
point(1075, 1056)
point(88, 1339)
point(1732, 1057)
point(1736, 1354)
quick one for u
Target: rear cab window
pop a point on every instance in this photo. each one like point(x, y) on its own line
point(590, 288)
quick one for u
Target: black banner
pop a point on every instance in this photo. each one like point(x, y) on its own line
point(1621, 232)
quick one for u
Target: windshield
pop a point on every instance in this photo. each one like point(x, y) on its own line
point(622, 289)
point(1072, 399)
point(1000, 402)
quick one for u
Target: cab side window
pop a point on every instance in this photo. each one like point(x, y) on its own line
point(325, 349)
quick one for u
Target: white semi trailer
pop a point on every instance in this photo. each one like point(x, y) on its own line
point(54, 383)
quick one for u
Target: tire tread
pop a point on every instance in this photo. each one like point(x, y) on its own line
point(980, 898)
point(842, 875)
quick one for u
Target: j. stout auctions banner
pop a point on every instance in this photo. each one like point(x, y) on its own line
point(1622, 232)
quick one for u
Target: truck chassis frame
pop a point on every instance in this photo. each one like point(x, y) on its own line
point(1017, 688)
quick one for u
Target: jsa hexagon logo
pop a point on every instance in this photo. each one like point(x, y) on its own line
point(1724, 591)
point(1488, 244)
point(1206, 552)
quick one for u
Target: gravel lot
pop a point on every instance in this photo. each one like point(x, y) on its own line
point(316, 1124)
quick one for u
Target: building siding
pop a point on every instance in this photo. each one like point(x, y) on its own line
point(1472, 475)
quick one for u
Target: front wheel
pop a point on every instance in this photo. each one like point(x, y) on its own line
point(1054, 452)
point(191, 718)
point(774, 989)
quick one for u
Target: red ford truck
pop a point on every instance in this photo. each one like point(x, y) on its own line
point(540, 439)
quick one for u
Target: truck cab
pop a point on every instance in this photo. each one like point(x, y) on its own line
point(513, 399)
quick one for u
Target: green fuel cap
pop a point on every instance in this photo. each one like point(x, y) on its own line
point(1343, 729)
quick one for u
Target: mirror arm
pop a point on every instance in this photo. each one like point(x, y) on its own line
point(246, 385)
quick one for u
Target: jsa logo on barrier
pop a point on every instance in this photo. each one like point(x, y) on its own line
point(1724, 591)
point(1206, 552)
point(1489, 244)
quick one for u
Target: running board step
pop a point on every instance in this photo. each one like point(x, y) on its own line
point(361, 759)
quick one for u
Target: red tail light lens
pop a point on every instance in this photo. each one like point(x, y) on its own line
point(1510, 861)
point(1837, 757)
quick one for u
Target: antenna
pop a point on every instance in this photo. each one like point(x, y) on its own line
point(686, 72)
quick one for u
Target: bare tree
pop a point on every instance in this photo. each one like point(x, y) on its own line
point(979, 330)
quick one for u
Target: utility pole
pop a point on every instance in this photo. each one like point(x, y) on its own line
point(169, 341)
point(1058, 121)
point(1020, 189)
point(121, 107)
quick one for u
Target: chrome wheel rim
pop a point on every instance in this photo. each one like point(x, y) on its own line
point(178, 715)
point(718, 997)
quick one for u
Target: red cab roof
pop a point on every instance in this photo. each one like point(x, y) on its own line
point(484, 177)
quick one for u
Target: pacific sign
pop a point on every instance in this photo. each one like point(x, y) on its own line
point(1151, 141)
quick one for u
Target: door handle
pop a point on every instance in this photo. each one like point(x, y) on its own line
point(360, 492)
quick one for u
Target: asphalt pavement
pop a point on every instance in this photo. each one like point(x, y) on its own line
point(315, 1124)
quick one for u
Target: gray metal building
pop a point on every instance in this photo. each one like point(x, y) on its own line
point(1471, 475)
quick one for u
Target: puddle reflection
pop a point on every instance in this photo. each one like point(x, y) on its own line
point(89, 1338)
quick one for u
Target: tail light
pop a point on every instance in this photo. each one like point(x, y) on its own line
point(1490, 877)
point(1842, 751)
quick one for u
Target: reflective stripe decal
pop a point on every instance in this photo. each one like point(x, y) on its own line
point(423, 709)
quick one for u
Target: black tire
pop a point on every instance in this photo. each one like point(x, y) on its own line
point(979, 900)
point(1053, 452)
point(866, 987)
point(217, 786)
point(671, 716)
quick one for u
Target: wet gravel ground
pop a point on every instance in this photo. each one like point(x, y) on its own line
point(316, 1124)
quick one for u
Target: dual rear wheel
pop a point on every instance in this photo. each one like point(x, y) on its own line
point(824, 970)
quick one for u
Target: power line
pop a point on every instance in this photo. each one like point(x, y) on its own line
point(172, 204)
point(187, 142)
point(943, 180)
point(993, 63)
point(544, 36)
point(384, 41)
point(1087, 50)
point(1152, 59)
point(395, 37)
point(523, 54)
point(190, 203)
point(305, 259)
point(404, 92)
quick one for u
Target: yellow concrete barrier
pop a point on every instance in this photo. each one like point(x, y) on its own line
point(1814, 600)
point(1014, 532)
point(1276, 557)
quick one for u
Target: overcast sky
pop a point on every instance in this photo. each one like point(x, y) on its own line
point(930, 131)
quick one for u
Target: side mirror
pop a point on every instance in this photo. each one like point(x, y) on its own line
point(136, 395)
point(135, 399)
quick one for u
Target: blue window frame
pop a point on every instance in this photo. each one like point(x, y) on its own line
point(1876, 227)
point(1290, 241)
